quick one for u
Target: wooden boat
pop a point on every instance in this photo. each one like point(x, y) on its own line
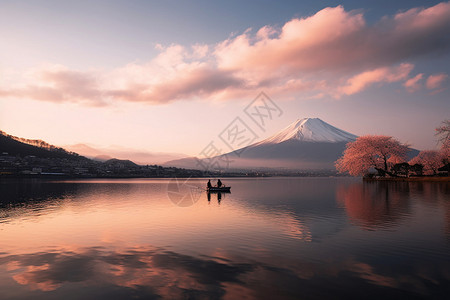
point(222, 189)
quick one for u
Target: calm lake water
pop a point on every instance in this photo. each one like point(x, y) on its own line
point(271, 238)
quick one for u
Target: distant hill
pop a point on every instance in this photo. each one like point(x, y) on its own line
point(120, 162)
point(35, 158)
point(141, 157)
point(18, 146)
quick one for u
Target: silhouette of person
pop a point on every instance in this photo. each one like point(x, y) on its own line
point(208, 185)
point(219, 183)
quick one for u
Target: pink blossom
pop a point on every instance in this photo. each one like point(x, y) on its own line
point(431, 161)
point(371, 151)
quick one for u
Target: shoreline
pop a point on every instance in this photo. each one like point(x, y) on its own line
point(411, 179)
point(166, 177)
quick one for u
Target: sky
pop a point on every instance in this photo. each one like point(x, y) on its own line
point(171, 76)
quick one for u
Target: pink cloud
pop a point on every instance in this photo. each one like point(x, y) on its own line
point(414, 84)
point(361, 81)
point(435, 81)
point(301, 44)
point(331, 53)
point(336, 40)
point(58, 84)
point(197, 83)
point(200, 51)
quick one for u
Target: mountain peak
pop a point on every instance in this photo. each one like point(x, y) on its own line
point(303, 121)
point(311, 130)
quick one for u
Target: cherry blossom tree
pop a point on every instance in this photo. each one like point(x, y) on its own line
point(371, 151)
point(431, 160)
point(444, 137)
point(444, 131)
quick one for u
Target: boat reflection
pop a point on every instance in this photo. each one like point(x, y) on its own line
point(219, 195)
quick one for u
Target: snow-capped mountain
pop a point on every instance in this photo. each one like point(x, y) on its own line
point(310, 130)
point(306, 144)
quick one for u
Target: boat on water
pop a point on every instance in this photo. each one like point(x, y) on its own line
point(222, 189)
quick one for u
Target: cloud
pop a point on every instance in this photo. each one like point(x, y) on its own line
point(192, 84)
point(435, 81)
point(59, 84)
point(306, 44)
point(331, 53)
point(334, 39)
point(414, 84)
point(361, 81)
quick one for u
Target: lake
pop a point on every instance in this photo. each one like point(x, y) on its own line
point(270, 238)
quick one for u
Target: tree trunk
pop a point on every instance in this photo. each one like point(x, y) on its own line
point(385, 164)
point(383, 173)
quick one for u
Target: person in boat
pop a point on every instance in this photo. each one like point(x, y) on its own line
point(208, 185)
point(219, 183)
